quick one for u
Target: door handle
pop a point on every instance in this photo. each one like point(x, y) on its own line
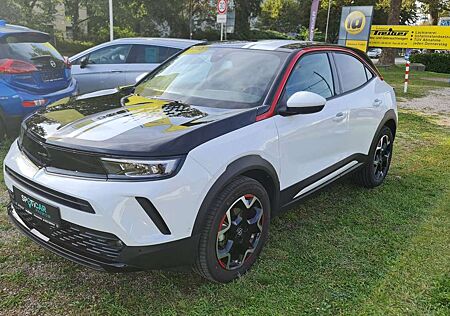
point(339, 117)
point(377, 102)
point(115, 71)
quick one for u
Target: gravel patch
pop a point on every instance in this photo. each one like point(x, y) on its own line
point(436, 103)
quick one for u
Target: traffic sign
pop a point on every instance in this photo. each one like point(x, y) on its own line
point(222, 7)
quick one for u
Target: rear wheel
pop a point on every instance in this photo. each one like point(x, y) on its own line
point(373, 173)
point(2, 131)
point(235, 231)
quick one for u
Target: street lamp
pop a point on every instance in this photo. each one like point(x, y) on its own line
point(111, 29)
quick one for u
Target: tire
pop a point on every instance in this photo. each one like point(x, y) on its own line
point(2, 131)
point(229, 245)
point(375, 170)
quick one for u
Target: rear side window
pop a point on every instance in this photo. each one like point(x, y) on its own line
point(369, 74)
point(150, 54)
point(352, 71)
point(312, 73)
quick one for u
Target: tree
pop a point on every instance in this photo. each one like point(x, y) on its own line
point(245, 9)
point(388, 55)
point(434, 8)
point(281, 15)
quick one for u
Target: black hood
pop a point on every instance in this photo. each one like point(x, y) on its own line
point(132, 125)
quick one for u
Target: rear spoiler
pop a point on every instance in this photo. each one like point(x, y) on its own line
point(25, 37)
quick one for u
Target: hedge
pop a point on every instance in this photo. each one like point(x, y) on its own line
point(433, 62)
point(70, 48)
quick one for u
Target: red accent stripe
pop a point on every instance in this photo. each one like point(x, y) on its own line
point(291, 66)
point(407, 72)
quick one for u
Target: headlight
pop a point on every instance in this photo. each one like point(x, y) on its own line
point(140, 169)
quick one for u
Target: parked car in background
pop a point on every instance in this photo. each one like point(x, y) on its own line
point(120, 62)
point(188, 167)
point(32, 75)
point(374, 52)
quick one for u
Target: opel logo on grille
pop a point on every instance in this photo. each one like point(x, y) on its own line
point(52, 63)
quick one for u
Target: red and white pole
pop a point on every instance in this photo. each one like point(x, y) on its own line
point(405, 89)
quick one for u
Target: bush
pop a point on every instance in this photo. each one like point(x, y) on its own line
point(433, 62)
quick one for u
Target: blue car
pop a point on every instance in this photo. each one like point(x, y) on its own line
point(32, 75)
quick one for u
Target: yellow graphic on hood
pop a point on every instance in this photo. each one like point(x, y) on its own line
point(64, 116)
point(139, 104)
point(59, 102)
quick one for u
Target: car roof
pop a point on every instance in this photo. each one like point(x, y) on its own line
point(11, 28)
point(169, 42)
point(276, 44)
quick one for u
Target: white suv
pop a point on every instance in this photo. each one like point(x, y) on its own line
point(188, 167)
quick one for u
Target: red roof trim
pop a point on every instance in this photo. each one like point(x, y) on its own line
point(271, 111)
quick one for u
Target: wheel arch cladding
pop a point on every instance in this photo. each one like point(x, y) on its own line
point(389, 120)
point(252, 166)
point(392, 125)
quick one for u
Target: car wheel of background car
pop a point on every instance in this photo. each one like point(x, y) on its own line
point(235, 231)
point(375, 170)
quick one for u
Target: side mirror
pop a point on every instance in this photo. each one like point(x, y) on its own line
point(141, 76)
point(304, 102)
point(84, 62)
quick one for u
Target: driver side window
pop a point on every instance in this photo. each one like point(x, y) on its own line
point(311, 73)
point(116, 54)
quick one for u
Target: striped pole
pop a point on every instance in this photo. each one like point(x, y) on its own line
point(405, 89)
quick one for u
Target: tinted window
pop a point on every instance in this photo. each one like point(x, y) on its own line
point(150, 54)
point(312, 73)
point(116, 54)
point(352, 71)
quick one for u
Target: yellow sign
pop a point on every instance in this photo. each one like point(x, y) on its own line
point(361, 45)
point(355, 22)
point(406, 36)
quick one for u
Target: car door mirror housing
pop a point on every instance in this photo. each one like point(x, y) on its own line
point(84, 61)
point(303, 102)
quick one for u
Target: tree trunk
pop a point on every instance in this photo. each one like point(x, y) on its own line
point(388, 54)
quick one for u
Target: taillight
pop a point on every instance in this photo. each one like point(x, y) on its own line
point(14, 66)
point(29, 104)
point(67, 62)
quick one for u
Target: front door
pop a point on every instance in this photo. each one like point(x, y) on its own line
point(311, 143)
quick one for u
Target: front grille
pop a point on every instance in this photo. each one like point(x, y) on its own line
point(61, 160)
point(50, 194)
point(90, 243)
point(52, 75)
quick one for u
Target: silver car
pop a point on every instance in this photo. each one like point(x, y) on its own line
point(120, 62)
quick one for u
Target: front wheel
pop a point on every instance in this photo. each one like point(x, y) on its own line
point(375, 170)
point(235, 231)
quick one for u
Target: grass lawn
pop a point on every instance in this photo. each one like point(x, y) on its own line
point(345, 250)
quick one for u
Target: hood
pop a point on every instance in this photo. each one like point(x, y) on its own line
point(132, 125)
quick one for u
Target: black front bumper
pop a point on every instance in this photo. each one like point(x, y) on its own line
point(180, 253)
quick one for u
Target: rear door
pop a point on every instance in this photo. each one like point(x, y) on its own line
point(34, 66)
point(145, 58)
point(365, 95)
point(106, 68)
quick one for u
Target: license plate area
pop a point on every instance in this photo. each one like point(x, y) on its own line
point(42, 211)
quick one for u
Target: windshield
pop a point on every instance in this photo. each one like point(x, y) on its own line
point(215, 77)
